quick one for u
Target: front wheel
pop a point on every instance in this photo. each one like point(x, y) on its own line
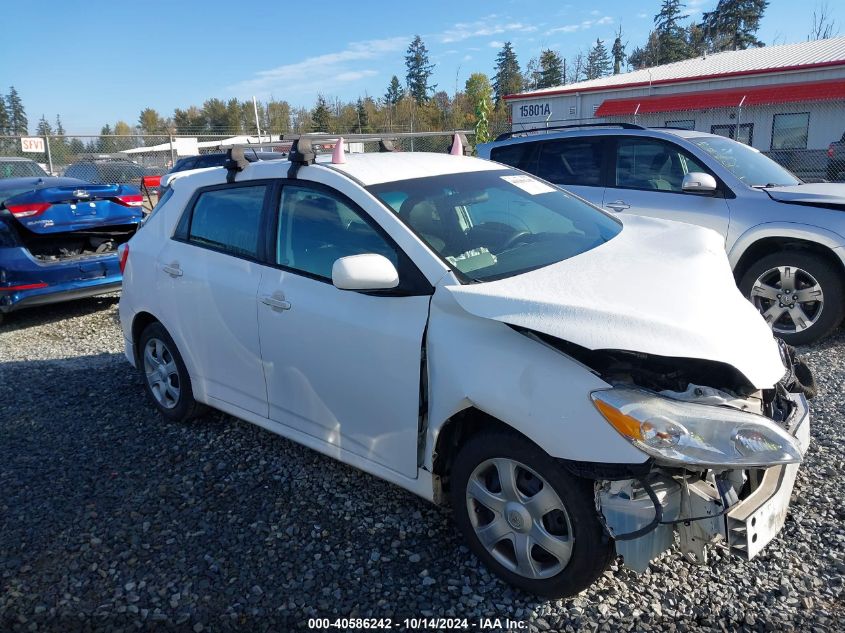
point(526, 518)
point(800, 295)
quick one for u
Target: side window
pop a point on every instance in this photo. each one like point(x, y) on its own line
point(516, 155)
point(317, 228)
point(228, 220)
point(574, 161)
point(652, 165)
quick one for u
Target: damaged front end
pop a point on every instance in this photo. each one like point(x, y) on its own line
point(724, 455)
point(723, 461)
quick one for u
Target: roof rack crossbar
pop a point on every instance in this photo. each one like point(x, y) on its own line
point(551, 128)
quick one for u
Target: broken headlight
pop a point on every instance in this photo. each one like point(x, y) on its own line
point(689, 434)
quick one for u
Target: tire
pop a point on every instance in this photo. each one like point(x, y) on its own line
point(170, 389)
point(807, 272)
point(590, 549)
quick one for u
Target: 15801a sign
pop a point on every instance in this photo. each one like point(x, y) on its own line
point(535, 109)
point(32, 144)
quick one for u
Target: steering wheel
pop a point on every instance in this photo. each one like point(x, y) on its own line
point(516, 238)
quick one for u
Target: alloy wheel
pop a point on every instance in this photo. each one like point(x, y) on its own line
point(161, 373)
point(519, 518)
point(789, 298)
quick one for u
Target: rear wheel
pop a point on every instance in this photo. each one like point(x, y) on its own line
point(526, 518)
point(800, 294)
point(165, 376)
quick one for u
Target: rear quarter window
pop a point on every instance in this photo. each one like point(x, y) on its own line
point(516, 155)
point(228, 220)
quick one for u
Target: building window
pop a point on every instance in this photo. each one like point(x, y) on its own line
point(683, 124)
point(789, 131)
point(744, 133)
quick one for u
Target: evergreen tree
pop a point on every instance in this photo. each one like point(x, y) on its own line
point(671, 36)
point(419, 71)
point(618, 52)
point(18, 124)
point(151, 122)
point(647, 55)
point(215, 115)
point(278, 117)
point(598, 61)
point(60, 130)
point(44, 128)
point(551, 70)
point(105, 144)
point(76, 146)
point(508, 78)
point(5, 124)
point(394, 93)
point(321, 117)
point(189, 121)
point(363, 117)
point(733, 24)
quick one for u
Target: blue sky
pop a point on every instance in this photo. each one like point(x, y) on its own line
point(97, 62)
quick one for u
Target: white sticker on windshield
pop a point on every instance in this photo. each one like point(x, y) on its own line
point(529, 184)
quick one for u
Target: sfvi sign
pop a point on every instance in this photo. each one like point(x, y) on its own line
point(32, 144)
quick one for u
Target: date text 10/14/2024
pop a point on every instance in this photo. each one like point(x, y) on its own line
point(419, 624)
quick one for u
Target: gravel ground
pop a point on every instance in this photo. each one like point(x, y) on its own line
point(112, 519)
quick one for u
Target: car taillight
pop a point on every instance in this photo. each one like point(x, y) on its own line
point(28, 209)
point(122, 256)
point(830, 151)
point(130, 200)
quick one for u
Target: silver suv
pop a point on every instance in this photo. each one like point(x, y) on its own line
point(785, 238)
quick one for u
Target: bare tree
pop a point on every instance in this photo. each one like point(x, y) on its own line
point(824, 27)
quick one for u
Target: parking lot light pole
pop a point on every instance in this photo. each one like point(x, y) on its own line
point(49, 155)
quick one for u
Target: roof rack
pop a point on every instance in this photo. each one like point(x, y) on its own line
point(624, 126)
point(305, 147)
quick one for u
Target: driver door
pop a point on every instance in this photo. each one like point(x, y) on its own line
point(342, 366)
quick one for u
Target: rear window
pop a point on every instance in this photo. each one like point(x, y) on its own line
point(20, 169)
point(517, 155)
point(229, 220)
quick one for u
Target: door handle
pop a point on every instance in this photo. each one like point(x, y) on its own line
point(173, 270)
point(618, 205)
point(277, 302)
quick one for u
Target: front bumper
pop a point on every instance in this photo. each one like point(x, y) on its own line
point(746, 526)
point(756, 520)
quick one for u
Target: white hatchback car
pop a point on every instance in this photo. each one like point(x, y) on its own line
point(576, 386)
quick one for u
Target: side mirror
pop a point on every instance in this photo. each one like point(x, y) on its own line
point(698, 182)
point(364, 272)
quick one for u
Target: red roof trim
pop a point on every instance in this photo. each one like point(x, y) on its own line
point(675, 80)
point(753, 95)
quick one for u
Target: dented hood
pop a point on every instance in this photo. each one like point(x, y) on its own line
point(659, 287)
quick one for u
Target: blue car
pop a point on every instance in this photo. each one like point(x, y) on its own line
point(59, 238)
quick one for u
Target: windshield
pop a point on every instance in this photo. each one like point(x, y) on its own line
point(20, 169)
point(747, 164)
point(493, 224)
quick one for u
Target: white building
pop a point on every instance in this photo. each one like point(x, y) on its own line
point(783, 100)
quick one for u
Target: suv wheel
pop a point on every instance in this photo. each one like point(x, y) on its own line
point(800, 294)
point(526, 518)
point(166, 378)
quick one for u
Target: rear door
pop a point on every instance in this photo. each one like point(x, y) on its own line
point(646, 177)
point(207, 282)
